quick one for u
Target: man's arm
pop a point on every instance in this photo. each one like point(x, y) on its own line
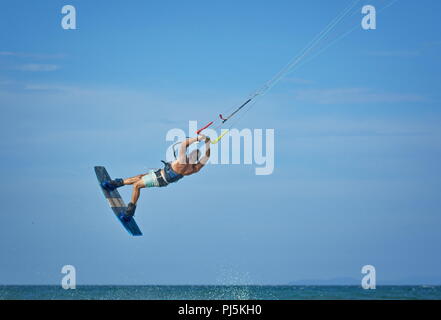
point(205, 158)
point(182, 158)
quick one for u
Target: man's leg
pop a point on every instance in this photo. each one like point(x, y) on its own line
point(134, 179)
point(137, 186)
point(117, 183)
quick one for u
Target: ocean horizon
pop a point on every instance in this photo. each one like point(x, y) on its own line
point(219, 292)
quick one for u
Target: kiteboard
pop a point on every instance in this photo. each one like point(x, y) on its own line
point(117, 203)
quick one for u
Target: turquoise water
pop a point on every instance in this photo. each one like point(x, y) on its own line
point(219, 292)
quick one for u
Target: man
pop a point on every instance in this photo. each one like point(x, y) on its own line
point(185, 165)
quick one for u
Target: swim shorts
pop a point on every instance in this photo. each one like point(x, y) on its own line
point(150, 179)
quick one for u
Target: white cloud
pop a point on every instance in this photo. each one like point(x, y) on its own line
point(31, 55)
point(45, 87)
point(298, 81)
point(395, 54)
point(6, 82)
point(354, 95)
point(35, 67)
point(359, 127)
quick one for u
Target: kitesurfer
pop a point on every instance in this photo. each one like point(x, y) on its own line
point(184, 165)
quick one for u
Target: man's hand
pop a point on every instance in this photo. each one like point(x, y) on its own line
point(203, 137)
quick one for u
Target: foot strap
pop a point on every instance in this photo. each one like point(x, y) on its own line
point(117, 183)
point(131, 209)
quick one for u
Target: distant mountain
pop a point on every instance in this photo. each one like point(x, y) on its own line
point(343, 281)
point(346, 281)
point(414, 280)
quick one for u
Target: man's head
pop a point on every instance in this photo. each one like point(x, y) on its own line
point(194, 156)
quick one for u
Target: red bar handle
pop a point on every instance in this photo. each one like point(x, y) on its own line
point(202, 129)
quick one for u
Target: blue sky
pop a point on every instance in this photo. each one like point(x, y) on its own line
point(357, 137)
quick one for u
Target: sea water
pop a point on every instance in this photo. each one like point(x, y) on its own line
point(219, 292)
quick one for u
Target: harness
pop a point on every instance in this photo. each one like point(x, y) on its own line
point(170, 175)
point(161, 180)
